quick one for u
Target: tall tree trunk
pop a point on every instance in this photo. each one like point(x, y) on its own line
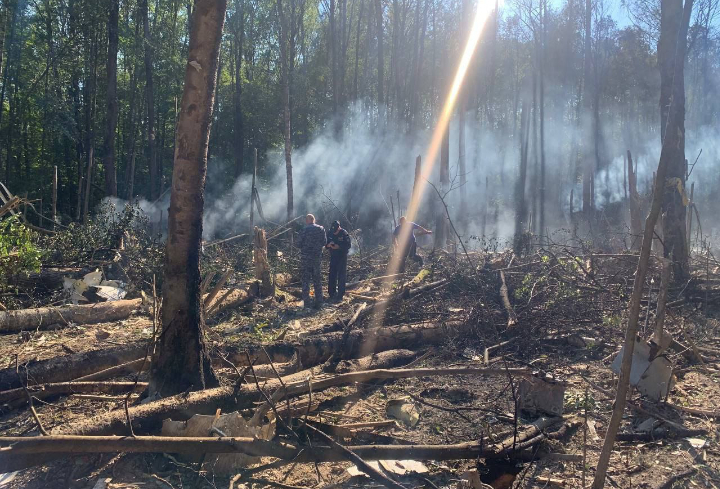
point(182, 360)
point(380, 58)
point(357, 51)
point(333, 49)
point(90, 126)
point(521, 209)
point(441, 225)
point(672, 47)
point(285, 76)
point(587, 160)
point(150, 102)
point(543, 59)
point(112, 102)
point(239, 133)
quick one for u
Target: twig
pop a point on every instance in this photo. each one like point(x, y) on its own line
point(284, 387)
point(447, 213)
point(675, 478)
point(29, 398)
point(371, 471)
point(257, 418)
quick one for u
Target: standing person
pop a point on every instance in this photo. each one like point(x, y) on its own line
point(405, 243)
point(311, 242)
point(338, 242)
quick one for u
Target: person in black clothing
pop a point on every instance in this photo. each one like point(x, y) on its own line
point(338, 242)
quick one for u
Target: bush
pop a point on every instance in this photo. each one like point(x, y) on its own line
point(19, 254)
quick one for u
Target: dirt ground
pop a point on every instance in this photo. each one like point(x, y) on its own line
point(450, 409)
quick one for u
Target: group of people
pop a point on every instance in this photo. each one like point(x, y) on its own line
point(313, 239)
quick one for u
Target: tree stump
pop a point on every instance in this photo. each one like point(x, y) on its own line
point(263, 274)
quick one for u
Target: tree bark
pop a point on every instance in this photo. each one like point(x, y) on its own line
point(182, 361)
point(112, 101)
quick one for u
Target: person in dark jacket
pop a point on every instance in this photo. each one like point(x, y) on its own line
point(338, 242)
point(405, 243)
point(311, 242)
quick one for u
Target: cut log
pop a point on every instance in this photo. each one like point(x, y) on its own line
point(47, 317)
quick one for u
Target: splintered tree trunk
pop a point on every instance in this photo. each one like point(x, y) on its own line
point(672, 47)
point(182, 361)
point(262, 267)
point(112, 102)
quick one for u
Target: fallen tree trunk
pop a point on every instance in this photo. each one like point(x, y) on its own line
point(65, 388)
point(71, 367)
point(46, 317)
point(308, 352)
point(147, 418)
point(314, 350)
point(18, 452)
point(22, 452)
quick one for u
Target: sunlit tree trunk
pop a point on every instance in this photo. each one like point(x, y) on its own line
point(285, 77)
point(182, 361)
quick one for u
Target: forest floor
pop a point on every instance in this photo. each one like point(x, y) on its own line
point(566, 319)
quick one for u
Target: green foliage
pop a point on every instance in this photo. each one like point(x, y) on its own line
point(18, 252)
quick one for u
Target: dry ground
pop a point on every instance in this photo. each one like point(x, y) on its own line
point(451, 409)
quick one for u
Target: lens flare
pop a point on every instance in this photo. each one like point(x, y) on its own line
point(484, 9)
